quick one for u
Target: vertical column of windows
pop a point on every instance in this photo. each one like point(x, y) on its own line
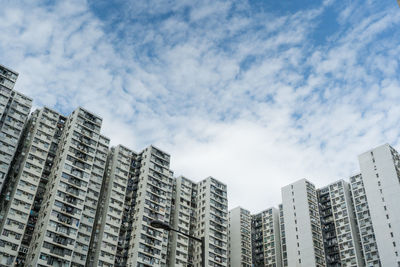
point(366, 230)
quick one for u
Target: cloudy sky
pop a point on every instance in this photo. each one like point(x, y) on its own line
point(257, 94)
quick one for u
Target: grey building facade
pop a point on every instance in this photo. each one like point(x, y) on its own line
point(339, 227)
point(14, 110)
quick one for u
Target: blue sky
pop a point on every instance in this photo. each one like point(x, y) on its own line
point(255, 93)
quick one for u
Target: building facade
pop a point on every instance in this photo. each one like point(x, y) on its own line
point(302, 225)
point(125, 231)
point(182, 219)
point(257, 244)
point(200, 210)
point(147, 245)
point(339, 228)
point(14, 111)
point(65, 222)
point(266, 238)
point(211, 223)
point(380, 172)
point(284, 260)
point(26, 188)
point(240, 249)
point(370, 253)
point(110, 210)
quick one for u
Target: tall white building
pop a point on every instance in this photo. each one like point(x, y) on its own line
point(65, 222)
point(266, 239)
point(380, 171)
point(86, 226)
point(25, 189)
point(200, 210)
point(240, 238)
point(182, 219)
point(14, 111)
point(104, 243)
point(339, 228)
point(125, 231)
point(211, 223)
point(366, 231)
point(152, 201)
point(302, 225)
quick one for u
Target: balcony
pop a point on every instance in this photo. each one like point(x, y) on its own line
point(72, 190)
point(70, 200)
point(64, 219)
point(60, 240)
point(75, 181)
point(80, 155)
point(68, 209)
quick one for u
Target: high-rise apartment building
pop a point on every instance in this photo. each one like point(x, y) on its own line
point(211, 223)
point(339, 229)
point(366, 231)
point(240, 238)
point(14, 111)
point(380, 173)
point(200, 210)
point(20, 207)
point(182, 219)
point(110, 210)
point(86, 226)
point(302, 225)
point(147, 245)
point(65, 221)
point(125, 231)
point(266, 238)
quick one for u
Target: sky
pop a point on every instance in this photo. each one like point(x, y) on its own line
point(257, 94)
